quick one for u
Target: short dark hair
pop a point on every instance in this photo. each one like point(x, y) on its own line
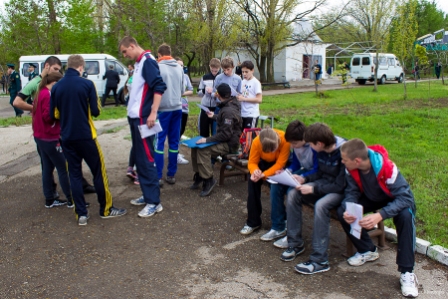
point(52, 60)
point(127, 41)
point(164, 49)
point(248, 65)
point(319, 132)
point(355, 148)
point(295, 131)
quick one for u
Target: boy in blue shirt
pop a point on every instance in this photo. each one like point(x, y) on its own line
point(228, 77)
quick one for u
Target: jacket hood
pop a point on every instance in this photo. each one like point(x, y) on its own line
point(232, 101)
point(170, 62)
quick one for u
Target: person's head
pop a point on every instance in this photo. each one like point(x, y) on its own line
point(111, 67)
point(223, 92)
point(354, 154)
point(164, 50)
point(130, 48)
point(179, 61)
point(294, 133)
point(31, 68)
point(76, 62)
point(227, 65)
point(11, 68)
point(269, 140)
point(247, 69)
point(48, 80)
point(130, 67)
point(214, 65)
point(52, 65)
point(319, 136)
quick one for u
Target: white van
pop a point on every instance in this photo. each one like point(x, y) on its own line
point(96, 66)
point(362, 68)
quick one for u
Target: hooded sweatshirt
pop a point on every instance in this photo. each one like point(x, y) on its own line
point(173, 76)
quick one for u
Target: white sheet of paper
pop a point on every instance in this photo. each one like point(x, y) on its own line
point(146, 132)
point(203, 108)
point(284, 178)
point(356, 210)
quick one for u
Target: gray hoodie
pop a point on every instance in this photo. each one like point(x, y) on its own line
point(173, 76)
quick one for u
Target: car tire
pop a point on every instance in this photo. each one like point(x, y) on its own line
point(382, 80)
point(400, 79)
point(361, 81)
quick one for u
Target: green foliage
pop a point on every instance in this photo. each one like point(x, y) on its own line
point(420, 53)
point(15, 121)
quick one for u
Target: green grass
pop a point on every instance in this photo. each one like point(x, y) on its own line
point(111, 112)
point(413, 131)
point(15, 121)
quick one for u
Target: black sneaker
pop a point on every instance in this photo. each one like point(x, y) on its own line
point(311, 267)
point(56, 203)
point(208, 186)
point(197, 181)
point(114, 212)
point(291, 253)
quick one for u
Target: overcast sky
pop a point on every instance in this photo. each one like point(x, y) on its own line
point(442, 4)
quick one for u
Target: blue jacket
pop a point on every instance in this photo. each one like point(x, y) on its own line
point(74, 101)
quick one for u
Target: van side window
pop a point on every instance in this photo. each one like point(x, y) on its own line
point(355, 61)
point(117, 67)
point(26, 66)
point(366, 61)
point(383, 61)
point(92, 67)
point(391, 62)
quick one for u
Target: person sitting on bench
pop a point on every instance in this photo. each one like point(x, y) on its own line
point(323, 189)
point(229, 126)
point(374, 182)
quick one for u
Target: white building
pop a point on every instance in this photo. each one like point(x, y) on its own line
point(293, 63)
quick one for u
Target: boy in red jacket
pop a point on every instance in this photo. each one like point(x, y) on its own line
point(375, 182)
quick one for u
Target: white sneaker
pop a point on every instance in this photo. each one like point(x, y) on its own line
point(149, 210)
point(272, 234)
point(282, 243)
point(247, 230)
point(361, 258)
point(409, 284)
point(181, 160)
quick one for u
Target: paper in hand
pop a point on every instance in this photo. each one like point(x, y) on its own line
point(203, 108)
point(284, 178)
point(146, 132)
point(356, 210)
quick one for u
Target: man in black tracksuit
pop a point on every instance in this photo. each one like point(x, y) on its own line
point(113, 79)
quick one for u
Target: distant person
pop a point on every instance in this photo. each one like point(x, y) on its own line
point(188, 92)
point(330, 70)
point(15, 85)
point(374, 182)
point(206, 126)
point(345, 71)
point(144, 100)
point(317, 68)
point(438, 69)
point(131, 70)
point(170, 113)
point(251, 96)
point(239, 70)
point(113, 79)
point(31, 76)
point(46, 133)
point(416, 71)
point(74, 101)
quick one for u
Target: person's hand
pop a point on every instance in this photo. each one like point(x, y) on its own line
point(150, 122)
point(349, 218)
point(240, 98)
point(369, 221)
point(202, 140)
point(209, 89)
point(306, 189)
point(299, 178)
point(210, 114)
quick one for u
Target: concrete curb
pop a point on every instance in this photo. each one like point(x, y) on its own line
point(435, 252)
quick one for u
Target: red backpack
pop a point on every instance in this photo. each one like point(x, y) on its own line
point(246, 139)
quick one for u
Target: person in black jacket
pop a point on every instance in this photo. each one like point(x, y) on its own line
point(113, 79)
point(229, 127)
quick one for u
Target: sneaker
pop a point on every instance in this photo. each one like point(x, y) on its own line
point(207, 186)
point(281, 243)
point(136, 180)
point(247, 230)
point(138, 202)
point(361, 258)
point(170, 180)
point(82, 220)
point(272, 234)
point(197, 181)
point(70, 204)
point(56, 203)
point(409, 284)
point(149, 210)
point(181, 160)
point(311, 267)
point(291, 253)
point(131, 173)
point(115, 212)
point(160, 183)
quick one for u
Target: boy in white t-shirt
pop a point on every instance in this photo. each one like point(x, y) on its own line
point(251, 96)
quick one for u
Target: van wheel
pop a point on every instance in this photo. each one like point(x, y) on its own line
point(120, 96)
point(400, 79)
point(382, 80)
point(362, 81)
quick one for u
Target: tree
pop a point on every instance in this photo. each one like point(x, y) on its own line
point(404, 35)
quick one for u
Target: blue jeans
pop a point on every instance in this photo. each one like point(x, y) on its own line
point(52, 157)
point(321, 227)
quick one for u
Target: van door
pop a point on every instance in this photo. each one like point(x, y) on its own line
point(92, 68)
point(365, 68)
